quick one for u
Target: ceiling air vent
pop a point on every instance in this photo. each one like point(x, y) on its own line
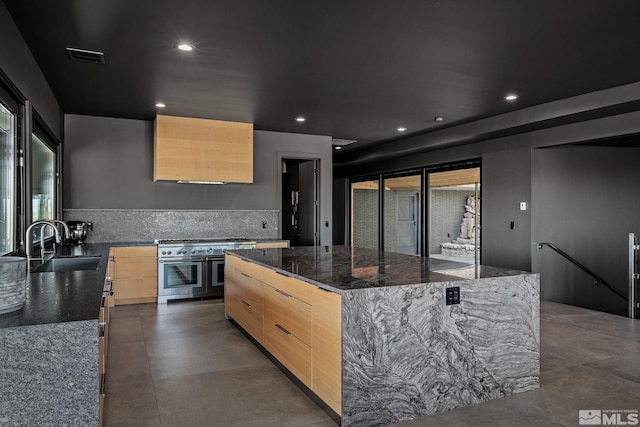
point(342, 142)
point(83, 55)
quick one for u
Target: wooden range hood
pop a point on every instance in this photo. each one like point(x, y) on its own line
point(202, 151)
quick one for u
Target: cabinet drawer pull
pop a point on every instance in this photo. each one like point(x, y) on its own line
point(246, 303)
point(245, 275)
point(283, 329)
point(282, 274)
point(282, 293)
point(326, 290)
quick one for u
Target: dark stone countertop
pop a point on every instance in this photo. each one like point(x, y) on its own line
point(344, 268)
point(65, 296)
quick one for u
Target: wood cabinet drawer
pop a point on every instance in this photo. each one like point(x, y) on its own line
point(245, 315)
point(287, 311)
point(135, 251)
point(244, 287)
point(294, 354)
point(289, 285)
point(135, 287)
point(135, 267)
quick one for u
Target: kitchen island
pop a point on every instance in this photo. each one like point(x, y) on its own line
point(407, 347)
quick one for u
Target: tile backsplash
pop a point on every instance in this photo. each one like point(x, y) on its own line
point(144, 225)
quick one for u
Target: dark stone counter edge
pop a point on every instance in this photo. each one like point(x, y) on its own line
point(65, 296)
point(328, 287)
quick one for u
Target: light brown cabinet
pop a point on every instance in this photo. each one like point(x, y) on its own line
point(297, 322)
point(190, 149)
point(134, 274)
point(326, 321)
point(273, 244)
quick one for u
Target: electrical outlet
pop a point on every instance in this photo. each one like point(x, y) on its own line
point(264, 224)
point(452, 295)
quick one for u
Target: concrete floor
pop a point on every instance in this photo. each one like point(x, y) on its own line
point(182, 364)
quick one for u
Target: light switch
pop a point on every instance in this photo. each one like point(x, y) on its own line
point(452, 295)
point(523, 206)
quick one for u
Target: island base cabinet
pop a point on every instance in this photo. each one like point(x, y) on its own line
point(294, 354)
point(326, 321)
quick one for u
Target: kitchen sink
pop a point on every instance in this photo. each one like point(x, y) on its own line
point(68, 263)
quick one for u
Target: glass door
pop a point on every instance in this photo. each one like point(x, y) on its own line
point(364, 223)
point(402, 206)
point(7, 180)
point(454, 215)
point(43, 184)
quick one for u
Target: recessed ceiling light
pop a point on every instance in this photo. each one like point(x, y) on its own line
point(160, 104)
point(438, 119)
point(300, 119)
point(337, 147)
point(185, 47)
point(402, 129)
point(510, 97)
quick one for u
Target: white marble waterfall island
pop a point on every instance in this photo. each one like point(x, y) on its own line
point(371, 333)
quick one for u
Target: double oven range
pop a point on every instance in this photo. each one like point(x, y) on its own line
point(194, 268)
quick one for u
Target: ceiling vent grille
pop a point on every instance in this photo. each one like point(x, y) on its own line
point(83, 55)
point(342, 142)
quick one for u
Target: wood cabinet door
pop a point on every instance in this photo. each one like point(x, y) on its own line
point(326, 324)
point(193, 149)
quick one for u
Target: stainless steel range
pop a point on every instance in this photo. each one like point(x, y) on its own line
point(194, 268)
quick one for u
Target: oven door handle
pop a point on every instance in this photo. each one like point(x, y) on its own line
point(162, 261)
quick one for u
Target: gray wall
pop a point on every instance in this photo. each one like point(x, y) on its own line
point(506, 181)
point(108, 164)
point(17, 62)
point(586, 202)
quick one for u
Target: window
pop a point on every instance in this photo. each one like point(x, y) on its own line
point(7, 179)
point(43, 184)
point(432, 211)
point(364, 214)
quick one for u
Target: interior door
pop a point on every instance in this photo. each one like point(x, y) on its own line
point(407, 224)
point(300, 202)
point(401, 226)
point(308, 203)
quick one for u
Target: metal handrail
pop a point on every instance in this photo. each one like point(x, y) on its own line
point(598, 279)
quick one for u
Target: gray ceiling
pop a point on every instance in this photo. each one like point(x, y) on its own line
point(354, 69)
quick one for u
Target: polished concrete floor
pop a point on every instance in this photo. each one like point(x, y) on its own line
point(182, 364)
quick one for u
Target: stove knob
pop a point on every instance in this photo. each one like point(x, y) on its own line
point(164, 252)
point(193, 251)
point(209, 250)
point(169, 252)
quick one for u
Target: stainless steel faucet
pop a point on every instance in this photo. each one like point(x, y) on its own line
point(29, 240)
point(65, 227)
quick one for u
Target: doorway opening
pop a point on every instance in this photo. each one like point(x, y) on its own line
point(300, 201)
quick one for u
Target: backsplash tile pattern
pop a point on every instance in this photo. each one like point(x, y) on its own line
point(144, 225)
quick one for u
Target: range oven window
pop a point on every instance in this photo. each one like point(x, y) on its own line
point(182, 274)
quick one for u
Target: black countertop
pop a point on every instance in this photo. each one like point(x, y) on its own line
point(345, 268)
point(65, 296)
